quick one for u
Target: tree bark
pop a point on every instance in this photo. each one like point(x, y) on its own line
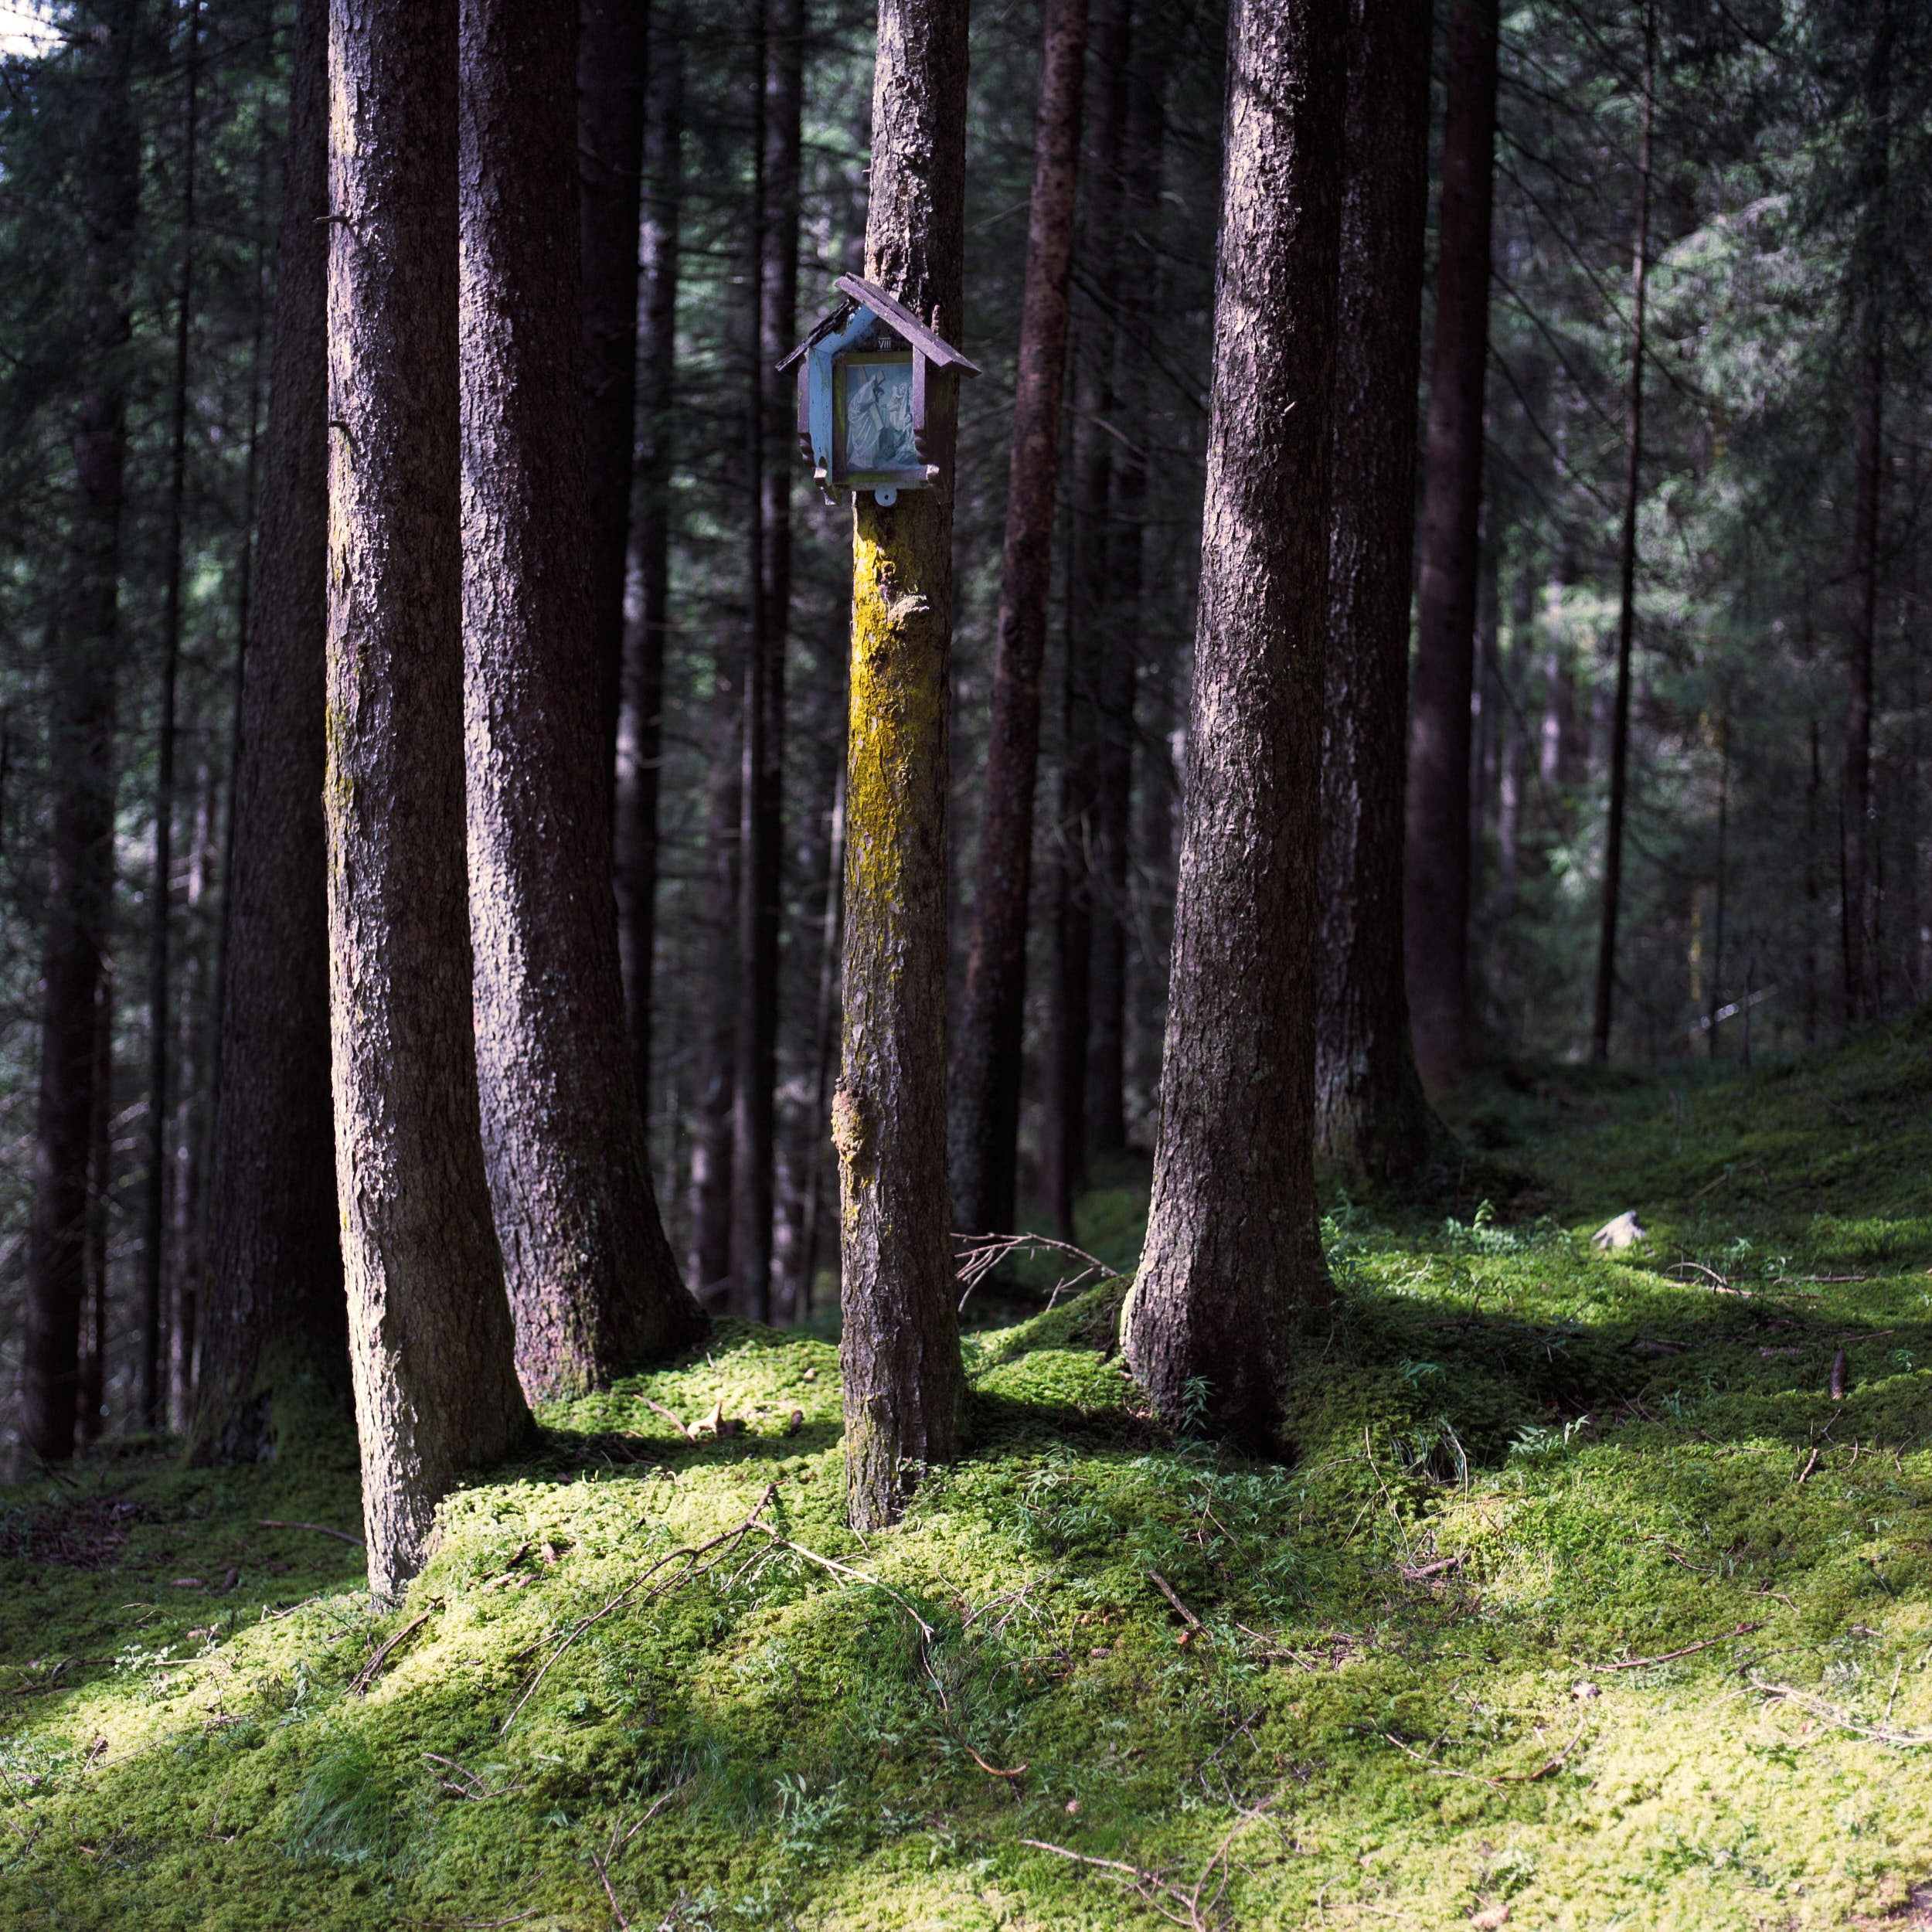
point(86, 657)
point(985, 1123)
point(1436, 854)
point(641, 721)
point(903, 1385)
point(1090, 649)
point(431, 1341)
point(101, 1159)
point(153, 1392)
point(773, 283)
point(712, 1142)
point(185, 1266)
point(274, 1328)
point(1233, 1268)
point(1627, 577)
point(1372, 1122)
point(591, 1281)
point(612, 43)
point(1147, 843)
point(1859, 837)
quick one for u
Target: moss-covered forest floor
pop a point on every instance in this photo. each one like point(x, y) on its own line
point(1583, 1603)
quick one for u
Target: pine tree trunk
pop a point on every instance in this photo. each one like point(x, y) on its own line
point(899, 1352)
point(985, 1123)
point(274, 1327)
point(100, 1161)
point(612, 40)
point(641, 722)
point(1147, 848)
point(153, 1390)
point(1436, 854)
point(772, 285)
point(1232, 1269)
point(1371, 1120)
point(87, 652)
point(1134, 279)
point(431, 1337)
point(1627, 578)
point(1089, 646)
point(590, 1276)
point(185, 1267)
point(712, 1140)
point(1861, 896)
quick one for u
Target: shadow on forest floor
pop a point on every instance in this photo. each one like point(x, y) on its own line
point(1580, 1595)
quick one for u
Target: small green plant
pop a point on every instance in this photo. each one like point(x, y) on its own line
point(350, 1811)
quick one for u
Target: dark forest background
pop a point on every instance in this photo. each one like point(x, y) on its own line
point(1790, 176)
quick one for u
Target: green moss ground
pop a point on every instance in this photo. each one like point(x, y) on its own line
point(1416, 1697)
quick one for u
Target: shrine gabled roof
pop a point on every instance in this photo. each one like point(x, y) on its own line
point(937, 350)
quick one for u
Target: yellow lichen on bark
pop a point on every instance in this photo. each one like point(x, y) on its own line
point(902, 1399)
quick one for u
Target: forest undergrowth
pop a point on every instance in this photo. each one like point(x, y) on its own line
point(1582, 1602)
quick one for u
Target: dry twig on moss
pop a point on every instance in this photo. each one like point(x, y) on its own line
point(977, 1255)
point(1901, 1740)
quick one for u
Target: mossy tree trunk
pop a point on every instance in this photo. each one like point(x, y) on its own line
point(84, 675)
point(986, 1056)
point(899, 1355)
point(1233, 1268)
point(431, 1341)
point(1436, 834)
point(591, 1280)
point(1372, 1121)
point(275, 1327)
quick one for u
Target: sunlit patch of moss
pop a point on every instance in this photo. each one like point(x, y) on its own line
point(1574, 1583)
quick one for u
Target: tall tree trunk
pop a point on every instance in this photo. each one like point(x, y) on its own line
point(244, 604)
point(1627, 575)
point(1089, 648)
point(778, 316)
point(813, 1189)
point(430, 1337)
point(1372, 1122)
point(153, 1392)
point(274, 1349)
point(773, 286)
point(641, 722)
point(712, 1140)
point(1232, 1269)
point(86, 657)
point(100, 1161)
point(903, 1385)
point(612, 41)
point(591, 1281)
point(1147, 853)
point(1435, 848)
point(984, 1122)
point(1715, 1005)
point(1860, 898)
point(184, 1271)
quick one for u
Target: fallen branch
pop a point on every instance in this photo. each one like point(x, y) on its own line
point(1166, 1589)
point(978, 1254)
point(1148, 1886)
point(364, 1678)
point(1497, 1783)
point(690, 1554)
point(1644, 1663)
point(1835, 1714)
point(321, 1529)
point(624, 1923)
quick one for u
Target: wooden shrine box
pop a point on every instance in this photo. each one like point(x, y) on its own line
point(867, 376)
